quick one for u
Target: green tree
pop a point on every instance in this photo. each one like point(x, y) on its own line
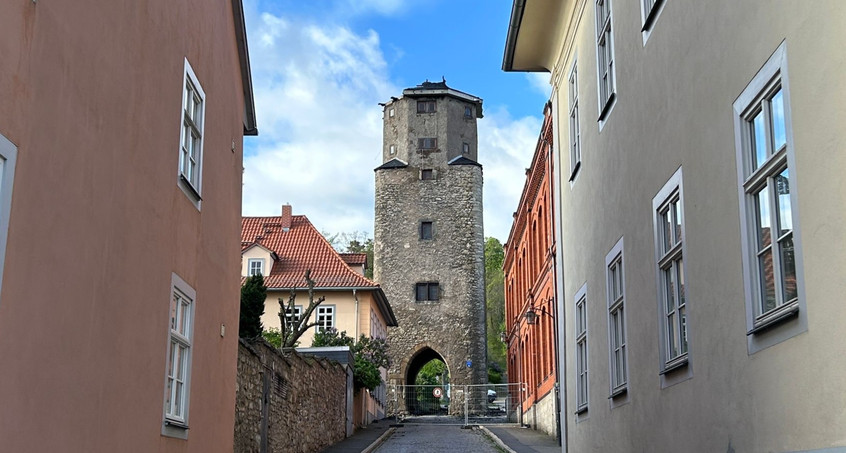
point(369, 354)
point(253, 294)
point(495, 300)
point(432, 373)
point(273, 336)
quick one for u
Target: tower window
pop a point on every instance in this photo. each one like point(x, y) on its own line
point(425, 106)
point(427, 291)
point(425, 230)
point(427, 143)
point(391, 112)
point(427, 174)
point(468, 112)
point(465, 148)
point(393, 149)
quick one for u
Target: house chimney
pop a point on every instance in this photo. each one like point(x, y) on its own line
point(286, 217)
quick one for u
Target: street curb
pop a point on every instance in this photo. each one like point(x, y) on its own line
point(496, 440)
point(379, 441)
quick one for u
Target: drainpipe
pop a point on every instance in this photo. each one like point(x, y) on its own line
point(558, 270)
point(356, 314)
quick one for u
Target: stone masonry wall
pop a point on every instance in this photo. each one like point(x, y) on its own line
point(286, 402)
point(453, 327)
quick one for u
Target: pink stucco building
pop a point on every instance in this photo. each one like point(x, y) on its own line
point(121, 131)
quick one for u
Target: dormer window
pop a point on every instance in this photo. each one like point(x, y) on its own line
point(255, 266)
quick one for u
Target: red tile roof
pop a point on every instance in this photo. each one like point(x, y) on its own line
point(354, 258)
point(300, 248)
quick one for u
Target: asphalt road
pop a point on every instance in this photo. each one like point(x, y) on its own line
point(437, 438)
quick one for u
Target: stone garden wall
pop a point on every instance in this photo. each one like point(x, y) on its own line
point(287, 402)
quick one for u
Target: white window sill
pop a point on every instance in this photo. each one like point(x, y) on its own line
point(775, 317)
point(675, 364)
point(622, 390)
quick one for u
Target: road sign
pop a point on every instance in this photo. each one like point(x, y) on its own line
point(437, 392)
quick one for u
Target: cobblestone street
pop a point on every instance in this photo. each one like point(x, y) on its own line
point(437, 438)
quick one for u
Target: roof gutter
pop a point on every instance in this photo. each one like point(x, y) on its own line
point(250, 127)
point(513, 30)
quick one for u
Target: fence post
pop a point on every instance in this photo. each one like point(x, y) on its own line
point(466, 412)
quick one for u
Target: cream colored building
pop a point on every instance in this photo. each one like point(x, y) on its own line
point(701, 148)
point(282, 248)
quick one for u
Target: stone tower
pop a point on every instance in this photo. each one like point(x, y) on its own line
point(429, 239)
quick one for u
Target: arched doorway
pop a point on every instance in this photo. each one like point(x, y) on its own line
point(427, 383)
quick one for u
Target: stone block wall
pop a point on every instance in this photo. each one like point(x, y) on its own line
point(286, 402)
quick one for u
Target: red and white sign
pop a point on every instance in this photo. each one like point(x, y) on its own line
point(437, 392)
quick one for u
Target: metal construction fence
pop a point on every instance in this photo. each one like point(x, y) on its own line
point(456, 404)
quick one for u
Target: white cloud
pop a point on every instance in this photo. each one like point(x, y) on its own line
point(317, 88)
point(539, 81)
point(506, 147)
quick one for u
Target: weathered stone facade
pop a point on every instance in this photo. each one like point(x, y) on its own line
point(441, 186)
point(288, 402)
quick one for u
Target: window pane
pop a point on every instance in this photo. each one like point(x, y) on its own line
point(426, 230)
point(765, 269)
point(422, 291)
point(785, 216)
point(666, 229)
point(683, 330)
point(680, 268)
point(433, 291)
point(759, 146)
point(669, 290)
point(779, 136)
point(677, 217)
point(762, 203)
point(788, 269)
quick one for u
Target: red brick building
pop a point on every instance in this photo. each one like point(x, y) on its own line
point(530, 313)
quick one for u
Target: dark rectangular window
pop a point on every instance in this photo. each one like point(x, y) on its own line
point(425, 106)
point(427, 143)
point(468, 112)
point(425, 230)
point(426, 291)
point(427, 174)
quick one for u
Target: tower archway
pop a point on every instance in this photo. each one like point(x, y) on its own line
point(422, 372)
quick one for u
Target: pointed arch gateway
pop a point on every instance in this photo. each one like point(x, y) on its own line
point(417, 398)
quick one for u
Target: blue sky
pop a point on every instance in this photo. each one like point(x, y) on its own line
point(321, 67)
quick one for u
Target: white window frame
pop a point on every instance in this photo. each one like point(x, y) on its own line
point(324, 313)
point(616, 298)
point(8, 161)
point(192, 123)
point(180, 335)
point(581, 330)
point(605, 69)
point(789, 316)
point(673, 307)
point(575, 128)
point(291, 319)
point(250, 262)
point(392, 149)
point(649, 12)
